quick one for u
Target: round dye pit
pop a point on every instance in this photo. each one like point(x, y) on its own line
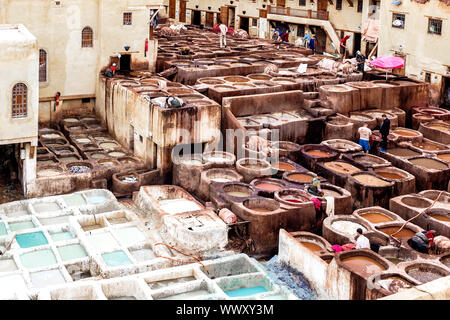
point(108, 145)
point(390, 175)
point(116, 154)
point(428, 146)
point(300, 177)
point(341, 167)
point(426, 272)
point(261, 205)
point(318, 153)
point(268, 186)
point(236, 190)
point(375, 217)
point(347, 227)
point(440, 127)
point(363, 265)
point(405, 233)
point(79, 169)
point(405, 132)
point(443, 217)
point(444, 157)
point(314, 247)
point(236, 79)
point(394, 283)
point(284, 166)
point(403, 152)
point(429, 163)
point(371, 181)
point(416, 202)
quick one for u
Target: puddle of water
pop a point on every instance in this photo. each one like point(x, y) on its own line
point(70, 252)
point(17, 226)
point(129, 236)
point(37, 259)
point(61, 236)
point(116, 258)
point(45, 278)
point(32, 239)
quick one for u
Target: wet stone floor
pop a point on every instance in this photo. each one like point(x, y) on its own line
point(9, 191)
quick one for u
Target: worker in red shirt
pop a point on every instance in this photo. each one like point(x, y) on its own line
point(343, 46)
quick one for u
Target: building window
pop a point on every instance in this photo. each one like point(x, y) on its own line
point(360, 5)
point(19, 100)
point(338, 4)
point(42, 65)
point(127, 18)
point(87, 38)
point(398, 20)
point(302, 2)
point(428, 77)
point(434, 26)
point(301, 30)
point(254, 22)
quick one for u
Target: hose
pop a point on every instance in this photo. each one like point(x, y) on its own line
point(180, 261)
point(416, 216)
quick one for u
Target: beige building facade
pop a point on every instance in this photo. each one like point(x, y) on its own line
point(19, 98)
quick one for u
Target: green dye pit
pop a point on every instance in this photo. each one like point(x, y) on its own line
point(61, 236)
point(38, 259)
point(245, 292)
point(116, 258)
point(17, 226)
point(32, 239)
point(73, 251)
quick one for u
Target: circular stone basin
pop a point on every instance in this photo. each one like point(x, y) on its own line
point(219, 157)
point(223, 87)
point(238, 190)
point(236, 79)
point(51, 136)
point(445, 260)
point(108, 145)
point(428, 146)
point(360, 117)
point(393, 283)
point(68, 159)
point(364, 265)
point(425, 272)
point(312, 246)
point(106, 163)
point(116, 154)
point(180, 91)
point(71, 120)
point(330, 191)
point(416, 202)
point(336, 88)
point(403, 152)
point(429, 163)
point(341, 167)
point(211, 81)
point(298, 177)
point(371, 181)
point(368, 159)
point(244, 86)
point(283, 166)
point(285, 146)
point(391, 174)
point(268, 185)
point(318, 153)
point(347, 227)
point(259, 77)
point(79, 169)
point(440, 127)
point(291, 197)
point(283, 80)
point(98, 155)
point(127, 160)
point(375, 217)
point(222, 175)
point(261, 205)
point(83, 140)
point(405, 132)
point(444, 157)
point(405, 233)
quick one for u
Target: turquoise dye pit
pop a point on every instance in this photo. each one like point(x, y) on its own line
point(3, 231)
point(70, 252)
point(60, 236)
point(96, 199)
point(116, 259)
point(38, 259)
point(245, 292)
point(74, 200)
point(32, 239)
point(17, 226)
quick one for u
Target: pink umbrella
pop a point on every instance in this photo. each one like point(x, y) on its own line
point(388, 62)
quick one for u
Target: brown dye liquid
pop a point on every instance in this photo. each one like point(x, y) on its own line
point(441, 218)
point(301, 177)
point(444, 157)
point(341, 167)
point(405, 133)
point(376, 217)
point(438, 127)
point(402, 152)
point(369, 180)
point(364, 265)
point(403, 234)
point(269, 186)
point(312, 246)
point(239, 194)
point(429, 164)
point(318, 153)
point(330, 193)
point(390, 175)
point(284, 166)
point(92, 227)
point(428, 146)
point(260, 210)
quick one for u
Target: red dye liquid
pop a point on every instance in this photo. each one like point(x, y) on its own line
point(269, 187)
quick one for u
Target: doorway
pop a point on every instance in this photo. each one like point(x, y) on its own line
point(196, 18)
point(125, 62)
point(356, 43)
point(321, 40)
point(322, 5)
point(10, 188)
point(209, 19)
point(131, 138)
point(182, 17)
point(446, 89)
point(244, 24)
point(231, 16)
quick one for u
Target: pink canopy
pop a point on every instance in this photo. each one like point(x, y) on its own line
point(388, 62)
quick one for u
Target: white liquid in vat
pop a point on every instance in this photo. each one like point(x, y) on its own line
point(173, 206)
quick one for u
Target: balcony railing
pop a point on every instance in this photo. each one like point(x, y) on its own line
point(320, 15)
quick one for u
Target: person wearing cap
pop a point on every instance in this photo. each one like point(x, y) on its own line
point(362, 242)
point(422, 241)
point(384, 130)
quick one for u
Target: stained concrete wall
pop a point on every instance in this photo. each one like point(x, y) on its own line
point(425, 52)
point(438, 289)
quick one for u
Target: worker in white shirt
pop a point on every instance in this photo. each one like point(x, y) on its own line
point(361, 241)
point(364, 137)
point(223, 34)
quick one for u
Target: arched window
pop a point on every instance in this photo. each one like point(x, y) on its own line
point(42, 65)
point(19, 100)
point(87, 36)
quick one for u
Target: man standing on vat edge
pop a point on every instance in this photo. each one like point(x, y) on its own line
point(384, 130)
point(364, 136)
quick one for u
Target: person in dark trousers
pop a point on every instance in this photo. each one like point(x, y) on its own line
point(285, 36)
point(311, 45)
point(422, 241)
point(384, 130)
point(360, 61)
point(343, 47)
